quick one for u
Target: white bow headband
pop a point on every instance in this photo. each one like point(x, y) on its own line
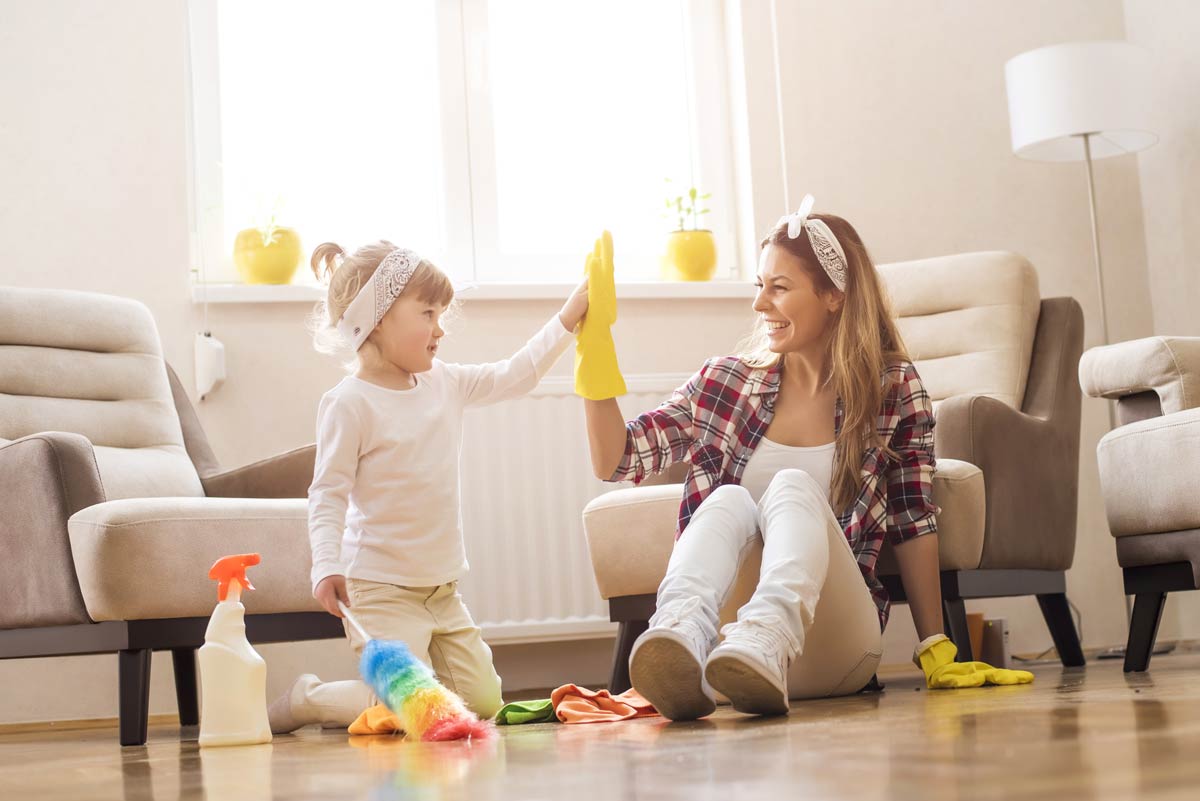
point(377, 295)
point(824, 243)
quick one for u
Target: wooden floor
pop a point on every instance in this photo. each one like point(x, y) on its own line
point(1089, 733)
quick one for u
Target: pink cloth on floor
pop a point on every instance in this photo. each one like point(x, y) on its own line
point(575, 704)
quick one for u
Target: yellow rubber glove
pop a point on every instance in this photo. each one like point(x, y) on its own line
point(597, 374)
point(935, 656)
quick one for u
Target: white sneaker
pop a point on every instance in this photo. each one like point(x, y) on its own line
point(281, 714)
point(750, 667)
point(667, 662)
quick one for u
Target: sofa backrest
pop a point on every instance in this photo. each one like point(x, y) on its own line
point(92, 364)
point(969, 321)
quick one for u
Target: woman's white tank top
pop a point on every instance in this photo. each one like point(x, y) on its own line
point(770, 457)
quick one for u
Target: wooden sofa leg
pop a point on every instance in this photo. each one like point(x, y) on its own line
point(133, 672)
point(1057, 613)
point(1143, 629)
point(955, 613)
point(186, 696)
point(627, 632)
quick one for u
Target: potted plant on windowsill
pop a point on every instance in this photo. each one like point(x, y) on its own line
point(691, 253)
point(267, 254)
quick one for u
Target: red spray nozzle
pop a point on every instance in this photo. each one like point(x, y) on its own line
point(232, 568)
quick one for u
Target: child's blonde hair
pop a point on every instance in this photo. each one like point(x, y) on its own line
point(346, 275)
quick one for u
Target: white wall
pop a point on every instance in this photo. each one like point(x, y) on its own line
point(1170, 184)
point(896, 118)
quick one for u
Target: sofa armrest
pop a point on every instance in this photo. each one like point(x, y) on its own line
point(46, 478)
point(286, 475)
point(1031, 479)
point(630, 533)
point(1167, 366)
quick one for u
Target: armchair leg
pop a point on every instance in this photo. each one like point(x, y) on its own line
point(186, 696)
point(1147, 612)
point(133, 671)
point(1057, 613)
point(627, 632)
point(955, 613)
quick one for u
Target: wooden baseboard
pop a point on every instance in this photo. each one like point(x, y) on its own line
point(79, 725)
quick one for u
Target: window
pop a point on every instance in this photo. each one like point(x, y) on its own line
point(496, 137)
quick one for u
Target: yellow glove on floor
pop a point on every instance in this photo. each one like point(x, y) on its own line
point(935, 656)
point(597, 374)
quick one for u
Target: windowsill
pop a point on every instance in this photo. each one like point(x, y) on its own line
point(633, 290)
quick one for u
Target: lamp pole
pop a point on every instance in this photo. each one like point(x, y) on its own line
point(1087, 157)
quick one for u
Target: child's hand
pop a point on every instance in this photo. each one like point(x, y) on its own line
point(575, 309)
point(331, 590)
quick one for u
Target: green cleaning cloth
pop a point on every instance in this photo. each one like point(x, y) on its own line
point(518, 712)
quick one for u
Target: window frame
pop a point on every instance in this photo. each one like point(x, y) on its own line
point(468, 168)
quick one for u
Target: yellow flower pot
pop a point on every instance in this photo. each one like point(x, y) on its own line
point(271, 262)
point(690, 256)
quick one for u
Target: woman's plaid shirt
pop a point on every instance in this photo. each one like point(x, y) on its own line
point(716, 420)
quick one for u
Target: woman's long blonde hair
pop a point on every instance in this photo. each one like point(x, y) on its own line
point(346, 275)
point(864, 343)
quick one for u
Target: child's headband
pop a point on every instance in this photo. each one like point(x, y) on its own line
point(824, 243)
point(377, 295)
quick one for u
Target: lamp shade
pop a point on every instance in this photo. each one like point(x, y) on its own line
point(1057, 93)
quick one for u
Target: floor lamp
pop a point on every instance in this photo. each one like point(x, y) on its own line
point(1079, 102)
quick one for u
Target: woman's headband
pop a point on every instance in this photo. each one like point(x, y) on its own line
point(377, 295)
point(824, 243)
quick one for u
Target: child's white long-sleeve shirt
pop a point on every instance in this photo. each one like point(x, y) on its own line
point(384, 501)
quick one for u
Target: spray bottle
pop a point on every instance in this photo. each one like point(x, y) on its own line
point(233, 677)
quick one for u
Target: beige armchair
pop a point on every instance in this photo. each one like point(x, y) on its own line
point(999, 363)
point(1148, 468)
point(115, 507)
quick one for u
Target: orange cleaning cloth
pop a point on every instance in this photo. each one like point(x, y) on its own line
point(575, 704)
point(376, 720)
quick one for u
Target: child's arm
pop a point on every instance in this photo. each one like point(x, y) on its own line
point(482, 384)
point(339, 437)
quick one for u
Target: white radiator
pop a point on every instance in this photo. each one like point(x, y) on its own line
point(526, 476)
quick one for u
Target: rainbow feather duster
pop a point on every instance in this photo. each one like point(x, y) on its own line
point(427, 710)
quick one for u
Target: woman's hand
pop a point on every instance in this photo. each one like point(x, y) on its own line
point(575, 309)
point(331, 590)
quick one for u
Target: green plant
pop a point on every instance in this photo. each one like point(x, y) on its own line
point(268, 228)
point(682, 207)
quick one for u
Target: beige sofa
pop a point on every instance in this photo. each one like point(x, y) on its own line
point(1000, 364)
point(1148, 468)
point(115, 508)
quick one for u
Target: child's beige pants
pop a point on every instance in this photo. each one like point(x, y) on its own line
point(438, 629)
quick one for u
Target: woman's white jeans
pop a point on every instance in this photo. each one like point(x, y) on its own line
point(809, 579)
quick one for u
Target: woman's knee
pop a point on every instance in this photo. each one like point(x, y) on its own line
point(793, 481)
point(730, 502)
point(733, 496)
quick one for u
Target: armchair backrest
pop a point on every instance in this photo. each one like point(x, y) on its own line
point(92, 364)
point(969, 322)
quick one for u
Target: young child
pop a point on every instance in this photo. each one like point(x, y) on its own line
point(383, 509)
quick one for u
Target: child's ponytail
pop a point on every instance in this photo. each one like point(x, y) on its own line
point(325, 259)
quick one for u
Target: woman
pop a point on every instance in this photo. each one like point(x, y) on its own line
point(817, 438)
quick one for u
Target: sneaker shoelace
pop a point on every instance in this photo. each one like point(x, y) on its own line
point(768, 634)
point(683, 614)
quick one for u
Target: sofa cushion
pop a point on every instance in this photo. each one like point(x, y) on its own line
point(149, 558)
point(1148, 474)
point(92, 364)
point(631, 531)
point(968, 321)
